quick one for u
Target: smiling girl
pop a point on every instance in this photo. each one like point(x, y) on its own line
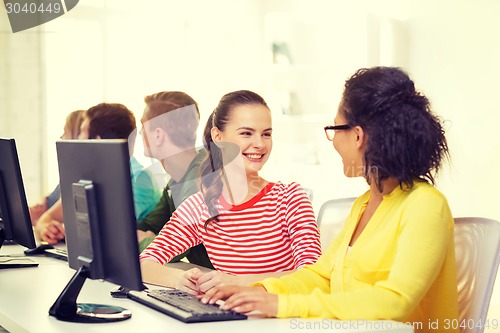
point(251, 228)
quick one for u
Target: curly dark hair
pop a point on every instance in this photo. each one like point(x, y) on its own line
point(405, 139)
point(211, 169)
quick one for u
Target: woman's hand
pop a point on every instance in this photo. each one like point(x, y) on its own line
point(243, 299)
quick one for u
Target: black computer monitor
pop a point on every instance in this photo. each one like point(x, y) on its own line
point(100, 224)
point(15, 221)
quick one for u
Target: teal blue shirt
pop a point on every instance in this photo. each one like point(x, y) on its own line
point(146, 193)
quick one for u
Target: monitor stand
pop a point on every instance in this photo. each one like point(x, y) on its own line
point(65, 307)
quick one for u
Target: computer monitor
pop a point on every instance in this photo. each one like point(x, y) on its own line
point(15, 221)
point(100, 225)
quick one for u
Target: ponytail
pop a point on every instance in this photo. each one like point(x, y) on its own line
point(211, 170)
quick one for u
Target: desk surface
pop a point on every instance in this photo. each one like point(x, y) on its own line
point(26, 294)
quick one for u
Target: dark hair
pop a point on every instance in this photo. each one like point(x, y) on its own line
point(180, 127)
point(211, 169)
point(110, 121)
point(405, 139)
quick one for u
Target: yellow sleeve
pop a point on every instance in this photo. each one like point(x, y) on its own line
point(420, 247)
point(309, 277)
point(303, 280)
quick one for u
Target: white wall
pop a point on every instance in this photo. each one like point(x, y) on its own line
point(22, 102)
point(455, 59)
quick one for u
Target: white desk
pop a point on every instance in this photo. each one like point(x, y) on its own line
point(26, 294)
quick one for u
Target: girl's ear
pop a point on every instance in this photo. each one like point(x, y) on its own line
point(216, 134)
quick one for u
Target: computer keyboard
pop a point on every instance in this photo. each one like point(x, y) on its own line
point(16, 262)
point(183, 306)
point(61, 254)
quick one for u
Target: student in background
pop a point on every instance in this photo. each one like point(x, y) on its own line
point(170, 122)
point(394, 258)
point(251, 228)
point(71, 131)
point(105, 121)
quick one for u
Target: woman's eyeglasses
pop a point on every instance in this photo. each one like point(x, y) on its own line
point(330, 130)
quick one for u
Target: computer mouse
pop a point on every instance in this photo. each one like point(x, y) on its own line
point(120, 292)
point(40, 249)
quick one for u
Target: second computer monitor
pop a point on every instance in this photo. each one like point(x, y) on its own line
point(95, 183)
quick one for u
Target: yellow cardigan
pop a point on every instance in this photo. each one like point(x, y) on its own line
point(402, 267)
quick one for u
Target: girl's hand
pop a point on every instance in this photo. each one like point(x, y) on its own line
point(215, 278)
point(243, 299)
point(188, 281)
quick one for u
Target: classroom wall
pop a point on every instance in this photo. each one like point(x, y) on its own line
point(455, 54)
point(22, 102)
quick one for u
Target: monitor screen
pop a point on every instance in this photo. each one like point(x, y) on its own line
point(15, 222)
point(99, 220)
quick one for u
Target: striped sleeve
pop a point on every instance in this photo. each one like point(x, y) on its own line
point(302, 226)
point(178, 234)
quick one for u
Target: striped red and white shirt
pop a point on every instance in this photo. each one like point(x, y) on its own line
point(274, 231)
